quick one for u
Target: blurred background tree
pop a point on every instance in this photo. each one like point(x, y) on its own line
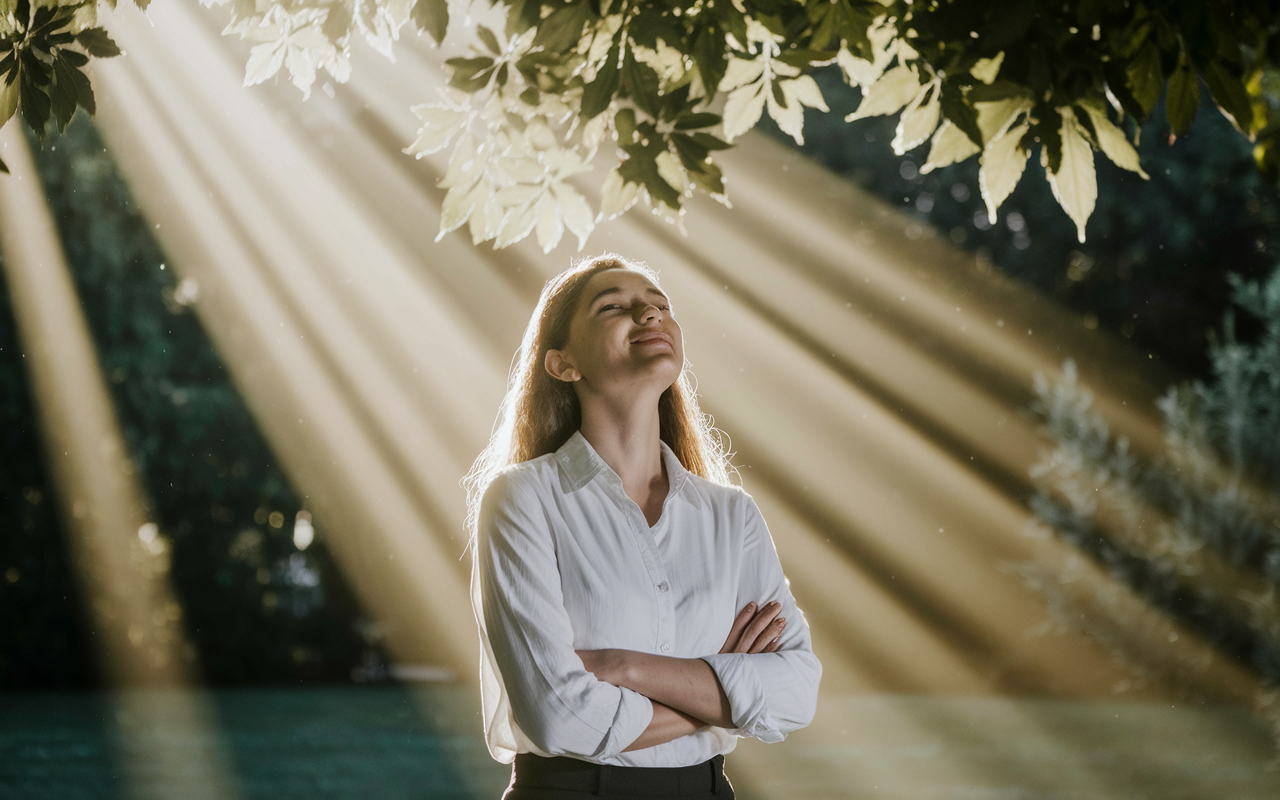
point(262, 599)
point(1195, 528)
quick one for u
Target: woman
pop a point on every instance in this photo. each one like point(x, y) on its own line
point(634, 618)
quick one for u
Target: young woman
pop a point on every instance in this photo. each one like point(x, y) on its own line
point(634, 618)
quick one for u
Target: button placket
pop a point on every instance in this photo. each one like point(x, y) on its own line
point(653, 565)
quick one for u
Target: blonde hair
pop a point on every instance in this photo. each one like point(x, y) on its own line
point(539, 413)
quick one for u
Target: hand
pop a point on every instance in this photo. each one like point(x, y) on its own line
point(756, 631)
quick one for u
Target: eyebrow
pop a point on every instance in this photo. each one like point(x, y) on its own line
point(618, 290)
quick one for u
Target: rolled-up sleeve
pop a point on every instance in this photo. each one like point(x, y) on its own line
point(770, 694)
point(560, 706)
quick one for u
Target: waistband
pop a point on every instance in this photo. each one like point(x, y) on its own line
point(559, 772)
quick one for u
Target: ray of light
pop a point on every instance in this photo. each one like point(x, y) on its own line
point(871, 377)
point(119, 556)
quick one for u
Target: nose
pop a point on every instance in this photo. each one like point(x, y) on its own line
point(647, 311)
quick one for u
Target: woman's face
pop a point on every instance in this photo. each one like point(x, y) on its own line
point(622, 337)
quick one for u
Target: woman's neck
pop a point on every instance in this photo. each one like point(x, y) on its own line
point(628, 441)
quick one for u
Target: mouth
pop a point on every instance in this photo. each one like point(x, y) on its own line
point(653, 336)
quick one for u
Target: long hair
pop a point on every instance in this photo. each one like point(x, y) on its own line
point(539, 413)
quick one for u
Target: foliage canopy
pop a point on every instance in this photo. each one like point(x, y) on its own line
point(662, 85)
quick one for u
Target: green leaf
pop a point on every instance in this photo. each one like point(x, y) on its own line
point(470, 74)
point(432, 18)
point(625, 123)
point(949, 146)
point(517, 19)
point(8, 101)
point(1048, 129)
point(828, 16)
point(1118, 83)
point(960, 113)
point(33, 69)
point(35, 104)
point(1183, 95)
point(710, 142)
point(1111, 140)
point(641, 84)
point(702, 120)
point(489, 40)
point(1146, 78)
point(562, 30)
point(709, 54)
point(97, 43)
point(1135, 33)
point(676, 101)
point(692, 154)
point(708, 178)
point(647, 28)
point(73, 58)
point(1230, 95)
point(1073, 180)
point(62, 94)
point(642, 168)
point(1003, 161)
point(599, 93)
point(43, 16)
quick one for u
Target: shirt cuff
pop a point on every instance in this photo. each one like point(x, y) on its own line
point(635, 712)
point(741, 683)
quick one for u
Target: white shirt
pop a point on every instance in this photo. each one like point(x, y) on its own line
point(566, 561)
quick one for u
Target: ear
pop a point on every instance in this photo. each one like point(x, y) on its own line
point(558, 367)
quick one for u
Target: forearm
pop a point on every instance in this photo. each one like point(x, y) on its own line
point(685, 684)
point(667, 725)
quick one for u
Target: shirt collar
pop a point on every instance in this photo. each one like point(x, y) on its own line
point(579, 463)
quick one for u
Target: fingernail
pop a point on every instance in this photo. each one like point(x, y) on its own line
point(783, 620)
point(751, 605)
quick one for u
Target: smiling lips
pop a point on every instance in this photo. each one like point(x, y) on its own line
point(653, 336)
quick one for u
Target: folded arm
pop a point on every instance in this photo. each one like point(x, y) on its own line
point(689, 685)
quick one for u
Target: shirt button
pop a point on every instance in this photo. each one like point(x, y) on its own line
point(662, 587)
point(666, 647)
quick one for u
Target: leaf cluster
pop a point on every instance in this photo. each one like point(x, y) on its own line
point(1081, 72)
point(42, 62)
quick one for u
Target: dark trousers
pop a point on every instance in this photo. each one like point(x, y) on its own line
point(560, 778)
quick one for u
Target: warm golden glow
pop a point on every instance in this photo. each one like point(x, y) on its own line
point(120, 557)
point(870, 375)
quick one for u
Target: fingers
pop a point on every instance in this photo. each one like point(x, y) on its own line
point(769, 636)
point(740, 623)
point(759, 623)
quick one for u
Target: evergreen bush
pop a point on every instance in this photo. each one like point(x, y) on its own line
point(1195, 528)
